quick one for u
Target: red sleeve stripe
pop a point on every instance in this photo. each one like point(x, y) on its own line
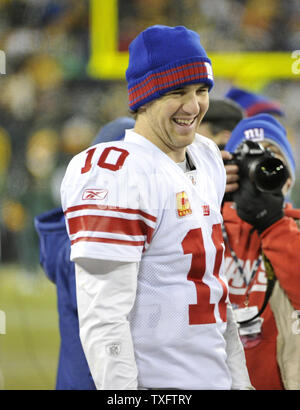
point(111, 208)
point(99, 223)
point(108, 240)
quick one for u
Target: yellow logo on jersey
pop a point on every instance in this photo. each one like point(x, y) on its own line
point(183, 204)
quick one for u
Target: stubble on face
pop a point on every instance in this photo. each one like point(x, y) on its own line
point(171, 121)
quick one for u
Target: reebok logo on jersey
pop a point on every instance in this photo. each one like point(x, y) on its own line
point(94, 194)
point(183, 204)
point(206, 210)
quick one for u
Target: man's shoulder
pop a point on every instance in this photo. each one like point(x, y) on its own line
point(110, 157)
point(126, 152)
point(202, 141)
point(110, 173)
point(205, 148)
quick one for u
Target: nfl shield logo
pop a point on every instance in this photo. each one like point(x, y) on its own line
point(114, 349)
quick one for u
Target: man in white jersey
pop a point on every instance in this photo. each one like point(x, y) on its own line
point(143, 216)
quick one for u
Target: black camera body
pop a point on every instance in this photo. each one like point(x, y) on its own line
point(260, 166)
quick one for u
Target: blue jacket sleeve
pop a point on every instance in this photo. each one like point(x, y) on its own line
point(54, 242)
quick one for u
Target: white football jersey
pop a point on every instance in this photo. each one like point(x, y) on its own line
point(128, 201)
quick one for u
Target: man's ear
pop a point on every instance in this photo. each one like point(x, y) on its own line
point(142, 109)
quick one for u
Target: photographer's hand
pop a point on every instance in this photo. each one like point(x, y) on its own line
point(259, 209)
point(232, 175)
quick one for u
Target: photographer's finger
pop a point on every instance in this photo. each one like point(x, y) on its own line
point(231, 169)
point(232, 178)
point(231, 187)
point(226, 155)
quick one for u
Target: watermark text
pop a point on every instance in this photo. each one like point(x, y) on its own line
point(2, 62)
point(2, 323)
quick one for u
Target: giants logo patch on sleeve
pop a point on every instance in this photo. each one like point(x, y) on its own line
point(206, 211)
point(183, 204)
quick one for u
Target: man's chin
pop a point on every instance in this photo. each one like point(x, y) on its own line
point(185, 140)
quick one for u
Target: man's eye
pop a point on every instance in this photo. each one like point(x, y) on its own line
point(202, 90)
point(175, 92)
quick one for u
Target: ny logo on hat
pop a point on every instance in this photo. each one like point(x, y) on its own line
point(254, 134)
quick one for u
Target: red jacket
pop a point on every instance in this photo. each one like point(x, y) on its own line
point(281, 244)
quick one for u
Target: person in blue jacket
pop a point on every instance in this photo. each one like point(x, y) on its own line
point(73, 372)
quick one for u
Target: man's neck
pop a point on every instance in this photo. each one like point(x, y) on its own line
point(178, 155)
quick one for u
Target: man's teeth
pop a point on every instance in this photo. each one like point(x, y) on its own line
point(183, 122)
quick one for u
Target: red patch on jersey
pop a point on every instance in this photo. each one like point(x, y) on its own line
point(183, 204)
point(206, 210)
point(94, 194)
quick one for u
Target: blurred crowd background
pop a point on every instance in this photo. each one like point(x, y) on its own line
point(50, 108)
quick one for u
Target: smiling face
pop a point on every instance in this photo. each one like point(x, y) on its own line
point(170, 122)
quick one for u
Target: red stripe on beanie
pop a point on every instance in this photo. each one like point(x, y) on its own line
point(165, 72)
point(165, 79)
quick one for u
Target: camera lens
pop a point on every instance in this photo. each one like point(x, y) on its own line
point(270, 175)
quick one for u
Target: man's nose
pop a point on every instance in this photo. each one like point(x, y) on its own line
point(191, 104)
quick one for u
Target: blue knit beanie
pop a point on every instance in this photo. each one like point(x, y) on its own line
point(253, 103)
point(163, 58)
point(263, 127)
point(114, 130)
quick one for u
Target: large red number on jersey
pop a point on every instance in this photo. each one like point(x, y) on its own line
point(217, 238)
point(203, 311)
point(88, 161)
point(120, 159)
point(122, 155)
